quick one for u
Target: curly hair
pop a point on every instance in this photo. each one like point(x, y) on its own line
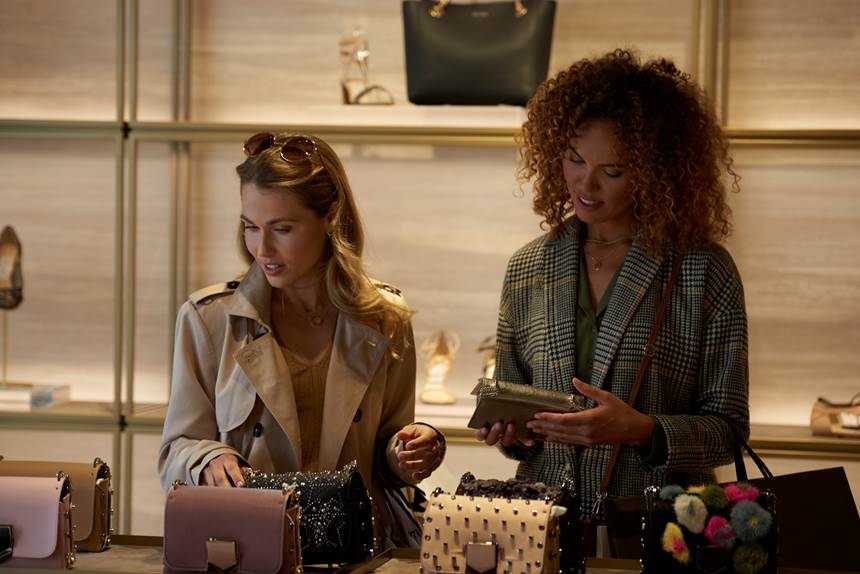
point(676, 152)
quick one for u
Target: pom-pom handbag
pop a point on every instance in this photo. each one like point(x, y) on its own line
point(91, 496)
point(35, 522)
point(713, 528)
point(237, 530)
point(475, 534)
point(476, 54)
point(337, 518)
point(572, 556)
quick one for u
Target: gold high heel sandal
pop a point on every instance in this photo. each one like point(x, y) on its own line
point(355, 70)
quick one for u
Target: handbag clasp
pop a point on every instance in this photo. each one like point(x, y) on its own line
point(222, 554)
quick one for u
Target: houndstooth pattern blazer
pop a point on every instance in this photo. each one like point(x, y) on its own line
point(697, 379)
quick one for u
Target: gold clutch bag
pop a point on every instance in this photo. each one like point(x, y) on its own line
point(511, 402)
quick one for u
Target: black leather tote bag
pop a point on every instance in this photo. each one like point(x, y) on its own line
point(476, 53)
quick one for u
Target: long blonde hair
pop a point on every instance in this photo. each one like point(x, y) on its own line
point(323, 189)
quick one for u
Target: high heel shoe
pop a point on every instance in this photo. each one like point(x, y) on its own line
point(11, 279)
point(355, 70)
point(836, 419)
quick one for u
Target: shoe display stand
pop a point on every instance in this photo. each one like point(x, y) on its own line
point(403, 125)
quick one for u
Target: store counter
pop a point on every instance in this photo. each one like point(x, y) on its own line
point(143, 555)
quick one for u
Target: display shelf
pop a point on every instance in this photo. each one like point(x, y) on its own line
point(74, 415)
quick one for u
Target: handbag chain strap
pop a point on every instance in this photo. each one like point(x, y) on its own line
point(438, 9)
point(647, 353)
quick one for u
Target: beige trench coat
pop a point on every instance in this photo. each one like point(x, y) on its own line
point(232, 392)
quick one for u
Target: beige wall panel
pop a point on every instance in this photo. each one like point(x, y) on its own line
point(798, 249)
point(147, 500)
point(269, 61)
point(153, 317)
point(154, 68)
point(62, 446)
point(794, 64)
point(58, 59)
point(59, 196)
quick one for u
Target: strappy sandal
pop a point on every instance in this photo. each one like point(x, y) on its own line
point(836, 419)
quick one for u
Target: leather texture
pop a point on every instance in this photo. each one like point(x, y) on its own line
point(337, 523)
point(476, 54)
point(91, 496)
point(38, 510)
point(517, 403)
point(703, 556)
point(262, 526)
point(525, 534)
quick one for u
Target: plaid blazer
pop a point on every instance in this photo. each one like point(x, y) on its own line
point(696, 385)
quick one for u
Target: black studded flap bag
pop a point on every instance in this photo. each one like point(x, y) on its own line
point(336, 523)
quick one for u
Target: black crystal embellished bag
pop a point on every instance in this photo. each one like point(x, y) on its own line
point(336, 524)
point(570, 541)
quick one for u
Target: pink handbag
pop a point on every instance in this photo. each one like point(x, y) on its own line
point(91, 496)
point(240, 530)
point(35, 522)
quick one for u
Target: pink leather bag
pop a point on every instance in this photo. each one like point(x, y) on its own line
point(35, 520)
point(91, 496)
point(241, 530)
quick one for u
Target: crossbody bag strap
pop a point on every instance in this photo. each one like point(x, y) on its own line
point(647, 353)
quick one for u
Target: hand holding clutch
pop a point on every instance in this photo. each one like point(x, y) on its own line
point(515, 403)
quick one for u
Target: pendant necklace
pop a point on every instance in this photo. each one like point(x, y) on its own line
point(597, 262)
point(315, 318)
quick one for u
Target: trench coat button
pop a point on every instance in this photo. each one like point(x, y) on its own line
point(357, 416)
point(258, 429)
point(232, 284)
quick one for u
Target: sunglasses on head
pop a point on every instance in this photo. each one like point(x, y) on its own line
point(294, 149)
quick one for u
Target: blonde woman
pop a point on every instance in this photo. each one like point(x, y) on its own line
point(305, 363)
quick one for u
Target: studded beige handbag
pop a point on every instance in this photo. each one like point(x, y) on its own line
point(478, 535)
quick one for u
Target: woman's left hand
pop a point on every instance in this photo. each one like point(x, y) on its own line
point(611, 421)
point(422, 452)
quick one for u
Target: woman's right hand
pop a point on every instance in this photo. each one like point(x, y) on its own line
point(501, 432)
point(223, 470)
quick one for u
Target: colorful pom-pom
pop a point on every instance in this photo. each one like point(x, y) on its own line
point(714, 497)
point(670, 491)
point(690, 512)
point(742, 491)
point(749, 559)
point(750, 521)
point(696, 489)
point(674, 544)
point(719, 532)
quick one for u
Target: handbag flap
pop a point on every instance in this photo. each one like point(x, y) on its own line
point(525, 533)
point(253, 518)
point(30, 505)
point(83, 477)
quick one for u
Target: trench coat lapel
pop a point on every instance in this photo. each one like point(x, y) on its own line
point(261, 358)
point(263, 363)
point(356, 353)
point(636, 276)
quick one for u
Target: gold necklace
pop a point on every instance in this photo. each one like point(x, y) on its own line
point(598, 261)
point(315, 318)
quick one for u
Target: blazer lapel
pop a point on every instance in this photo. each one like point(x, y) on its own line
point(356, 353)
point(637, 275)
point(264, 365)
point(561, 273)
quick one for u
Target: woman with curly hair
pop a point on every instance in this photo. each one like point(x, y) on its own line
point(630, 171)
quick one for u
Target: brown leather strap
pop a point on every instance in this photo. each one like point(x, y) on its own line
point(647, 353)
